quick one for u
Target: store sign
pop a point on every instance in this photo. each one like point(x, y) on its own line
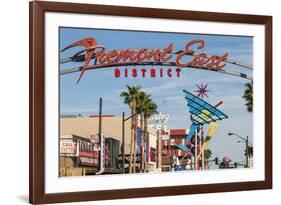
point(127, 158)
point(88, 161)
point(165, 137)
point(159, 121)
point(95, 139)
point(88, 156)
point(145, 56)
point(68, 147)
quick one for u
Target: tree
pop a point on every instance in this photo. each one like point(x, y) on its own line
point(248, 96)
point(250, 151)
point(141, 101)
point(207, 155)
point(130, 98)
point(137, 99)
point(149, 109)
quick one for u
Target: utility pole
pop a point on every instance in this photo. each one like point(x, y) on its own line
point(123, 142)
point(141, 146)
point(247, 152)
point(132, 138)
point(203, 152)
point(159, 150)
point(100, 118)
point(247, 146)
point(195, 155)
point(101, 140)
point(135, 138)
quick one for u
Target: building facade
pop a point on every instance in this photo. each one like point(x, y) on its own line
point(172, 155)
point(80, 151)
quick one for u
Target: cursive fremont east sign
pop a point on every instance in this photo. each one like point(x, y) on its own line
point(156, 57)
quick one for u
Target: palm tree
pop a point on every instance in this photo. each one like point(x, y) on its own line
point(207, 155)
point(250, 151)
point(141, 101)
point(149, 109)
point(130, 97)
point(248, 96)
point(137, 99)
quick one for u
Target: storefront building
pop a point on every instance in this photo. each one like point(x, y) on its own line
point(83, 155)
point(77, 156)
point(172, 155)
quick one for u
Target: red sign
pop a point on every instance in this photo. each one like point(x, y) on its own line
point(145, 56)
point(89, 159)
point(88, 156)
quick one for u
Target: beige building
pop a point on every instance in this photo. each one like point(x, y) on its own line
point(86, 127)
point(111, 127)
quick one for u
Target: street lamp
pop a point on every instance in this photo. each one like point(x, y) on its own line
point(247, 146)
point(239, 141)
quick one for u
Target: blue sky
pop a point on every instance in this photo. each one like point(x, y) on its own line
point(167, 92)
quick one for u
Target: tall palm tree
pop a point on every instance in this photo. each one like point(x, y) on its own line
point(248, 96)
point(141, 103)
point(149, 109)
point(137, 99)
point(130, 97)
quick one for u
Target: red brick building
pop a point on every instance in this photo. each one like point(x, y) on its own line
point(170, 152)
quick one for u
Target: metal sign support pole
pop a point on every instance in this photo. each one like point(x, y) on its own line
point(195, 154)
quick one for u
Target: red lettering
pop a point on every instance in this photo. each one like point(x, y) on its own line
point(117, 73)
point(126, 72)
point(141, 55)
point(143, 71)
point(198, 60)
point(153, 72)
point(123, 54)
point(189, 51)
point(110, 57)
point(161, 72)
point(100, 55)
point(178, 71)
point(219, 60)
point(167, 50)
point(169, 72)
point(134, 72)
point(129, 57)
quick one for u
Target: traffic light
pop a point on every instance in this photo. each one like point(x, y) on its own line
point(216, 161)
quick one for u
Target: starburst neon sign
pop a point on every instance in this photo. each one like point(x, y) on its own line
point(202, 90)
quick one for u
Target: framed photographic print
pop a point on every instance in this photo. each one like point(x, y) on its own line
point(139, 102)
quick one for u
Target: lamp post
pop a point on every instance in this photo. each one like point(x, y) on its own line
point(247, 146)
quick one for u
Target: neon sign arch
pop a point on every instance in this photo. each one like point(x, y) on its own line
point(155, 57)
